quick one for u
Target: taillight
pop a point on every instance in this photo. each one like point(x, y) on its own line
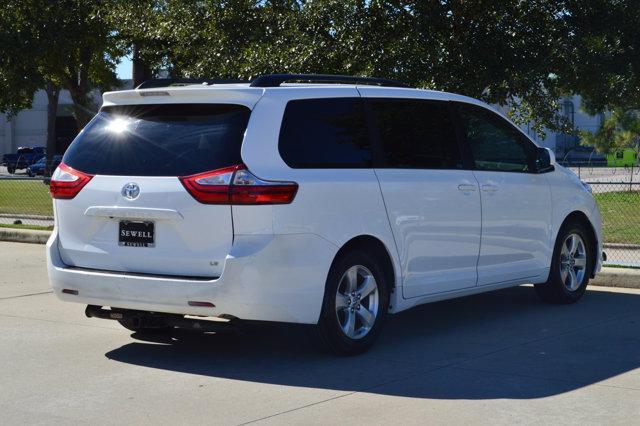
point(237, 186)
point(210, 187)
point(67, 182)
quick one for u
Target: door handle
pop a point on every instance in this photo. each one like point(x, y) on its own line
point(489, 188)
point(466, 187)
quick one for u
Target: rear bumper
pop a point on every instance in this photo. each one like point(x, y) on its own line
point(266, 278)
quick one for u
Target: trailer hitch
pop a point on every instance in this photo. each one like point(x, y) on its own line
point(149, 320)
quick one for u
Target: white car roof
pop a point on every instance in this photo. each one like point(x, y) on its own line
point(244, 94)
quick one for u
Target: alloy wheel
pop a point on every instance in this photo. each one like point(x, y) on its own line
point(573, 262)
point(357, 302)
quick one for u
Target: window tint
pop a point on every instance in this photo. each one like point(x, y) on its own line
point(416, 134)
point(495, 144)
point(160, 140)
point(325, 133)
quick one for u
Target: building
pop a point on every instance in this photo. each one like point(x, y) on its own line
point(29, 127)
point(567, 147)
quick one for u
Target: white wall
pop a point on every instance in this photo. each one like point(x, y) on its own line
point(29, 127)
point(582, 121)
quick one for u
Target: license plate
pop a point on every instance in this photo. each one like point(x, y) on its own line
point(136, 234)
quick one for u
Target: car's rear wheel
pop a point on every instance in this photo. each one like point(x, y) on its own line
point(11, 170)
point(571, 266)
point(355, 304)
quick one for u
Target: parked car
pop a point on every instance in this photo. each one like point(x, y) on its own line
point(38, 168)
point(23, 158)
point(329, 204)
point(583, 156)
point(627, 157)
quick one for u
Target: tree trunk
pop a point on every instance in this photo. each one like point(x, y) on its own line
point(79, 87)
point(53, 93)
point(141, 71)
point(83, 106)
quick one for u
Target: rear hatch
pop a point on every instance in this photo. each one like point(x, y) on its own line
point(133, 213)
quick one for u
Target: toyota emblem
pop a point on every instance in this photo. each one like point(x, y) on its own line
point(131, 191)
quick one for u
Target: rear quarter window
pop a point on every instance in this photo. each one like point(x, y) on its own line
point(325, 133)
point(416, 134)
point(160, 140)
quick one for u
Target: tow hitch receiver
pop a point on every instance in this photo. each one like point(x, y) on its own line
point(143, 319)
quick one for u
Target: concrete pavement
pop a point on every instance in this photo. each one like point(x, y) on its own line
point(497, 358)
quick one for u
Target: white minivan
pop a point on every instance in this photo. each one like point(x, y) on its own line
point(310, 199)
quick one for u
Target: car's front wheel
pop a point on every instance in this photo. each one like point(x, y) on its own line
point(571, 266)
point(355, 303)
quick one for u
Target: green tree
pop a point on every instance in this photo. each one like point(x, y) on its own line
point(140, 31)
point(620, 129)
point(604, 68)
point(602, 45)
point(509, 53)
point(64, 44)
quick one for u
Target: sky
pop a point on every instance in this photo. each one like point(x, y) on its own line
point(124, 69)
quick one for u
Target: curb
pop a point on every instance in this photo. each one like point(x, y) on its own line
point(617, 277)
point(624, 246)
point(608, 277)
point(24, 235)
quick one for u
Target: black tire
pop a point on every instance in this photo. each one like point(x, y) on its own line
point(329, 329)
point(11, 170)
point(555, 290)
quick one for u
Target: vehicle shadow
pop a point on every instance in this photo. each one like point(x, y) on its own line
point(504, 344)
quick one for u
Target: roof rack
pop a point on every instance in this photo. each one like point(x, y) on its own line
point(275, 80)
point(166, 82)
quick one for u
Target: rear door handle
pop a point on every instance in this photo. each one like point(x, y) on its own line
point(466, 187)
point(489, 188)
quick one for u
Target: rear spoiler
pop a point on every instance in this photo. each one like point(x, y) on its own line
point(189, 94)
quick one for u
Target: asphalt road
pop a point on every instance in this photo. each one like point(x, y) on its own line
point(498, 358)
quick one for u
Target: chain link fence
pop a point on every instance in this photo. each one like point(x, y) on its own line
point(617, 191)
point(25, 202)
point(24, 194)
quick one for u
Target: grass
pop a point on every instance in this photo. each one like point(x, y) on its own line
point(36, 227)
point(620, 216)
point(25, 197)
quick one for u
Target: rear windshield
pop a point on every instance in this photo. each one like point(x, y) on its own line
point(160, 140)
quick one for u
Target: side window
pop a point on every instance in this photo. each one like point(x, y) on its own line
point(495, 144)
point(416, 134)
point(325, 133)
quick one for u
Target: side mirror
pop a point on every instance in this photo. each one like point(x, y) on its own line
point(552, 156)
point(545, 160)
